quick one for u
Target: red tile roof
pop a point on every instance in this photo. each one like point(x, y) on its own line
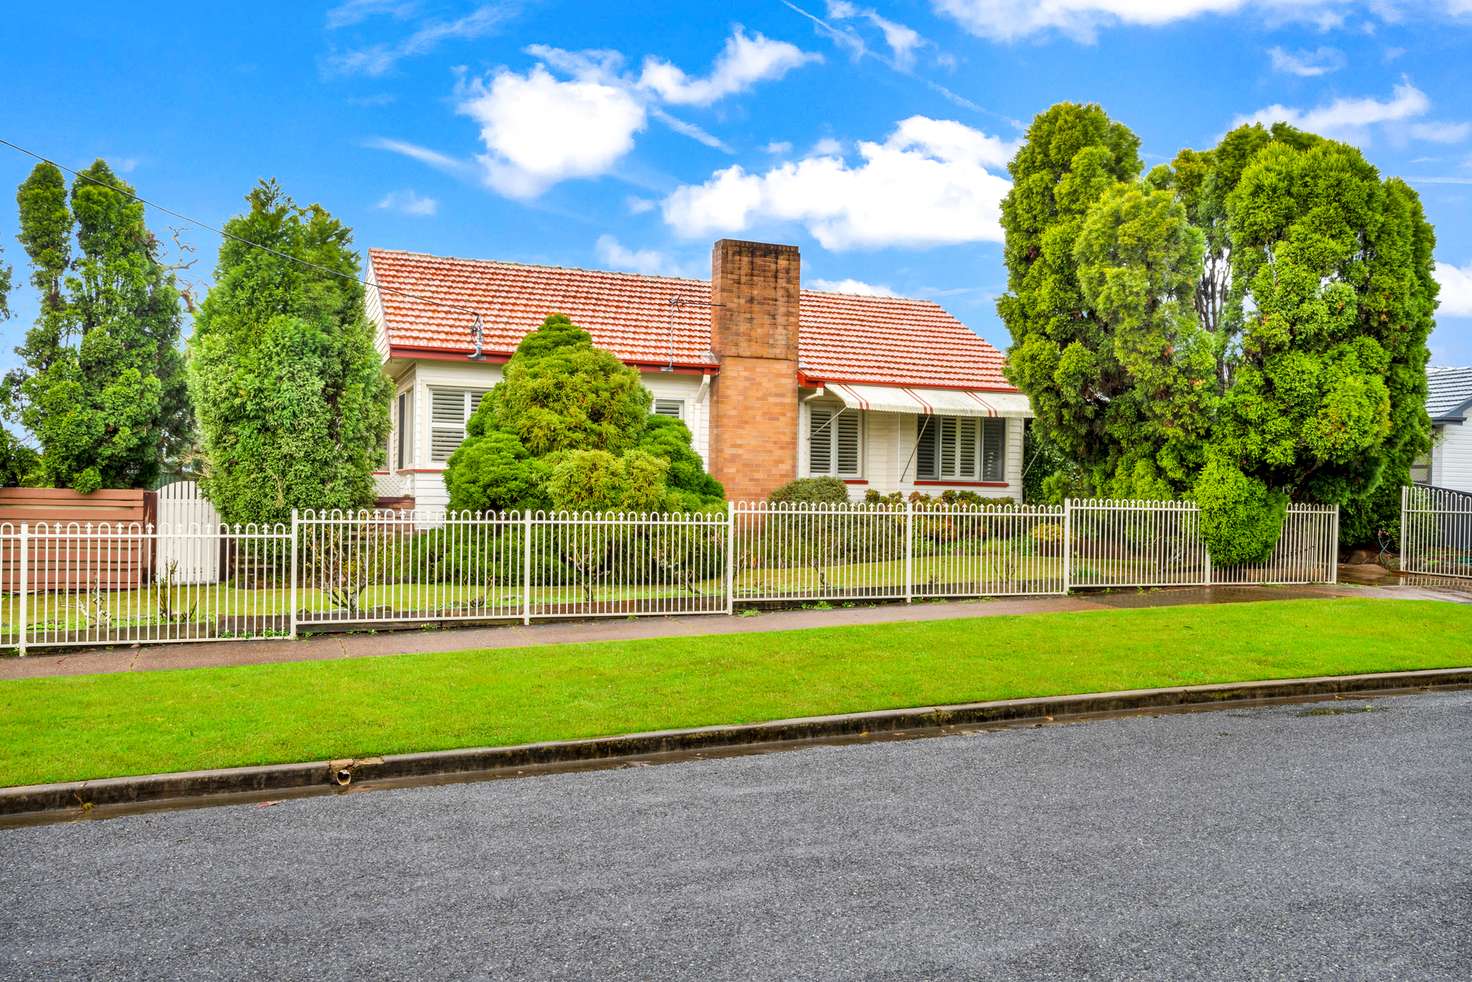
point(427, 304)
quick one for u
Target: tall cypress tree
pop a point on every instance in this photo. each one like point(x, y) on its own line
point(102, 386)
point(290, 395)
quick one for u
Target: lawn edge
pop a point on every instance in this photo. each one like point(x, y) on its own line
point(27, 804)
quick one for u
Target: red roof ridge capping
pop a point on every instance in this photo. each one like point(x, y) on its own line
point(429, 303)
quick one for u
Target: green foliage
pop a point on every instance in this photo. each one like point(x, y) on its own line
point(291, 398)
point(493, 472)
point(1257, 313)
point(568, 427)
point(102, 385)
point(812, 491)
point(1240, 515)
point(559, 392)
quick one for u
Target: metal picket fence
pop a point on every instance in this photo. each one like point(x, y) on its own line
point(1436, 531)
point(96, 585)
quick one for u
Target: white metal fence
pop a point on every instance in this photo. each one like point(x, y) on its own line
point(91, 585)
point(1436, 531)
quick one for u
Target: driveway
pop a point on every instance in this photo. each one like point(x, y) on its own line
point(1331, 840)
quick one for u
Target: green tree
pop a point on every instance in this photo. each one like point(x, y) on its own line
point(1244, 326)
point(291, 397)
point(568, 427)
point(101, 387)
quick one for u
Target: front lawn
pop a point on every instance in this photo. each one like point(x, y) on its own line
point(57, 729)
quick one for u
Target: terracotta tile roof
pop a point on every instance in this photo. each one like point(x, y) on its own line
point(842, 337)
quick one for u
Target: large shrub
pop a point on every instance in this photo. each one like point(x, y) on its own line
point(569, 427)
point(812, 491)
point(1256, 312)
point(291, 397)
point(101, 385)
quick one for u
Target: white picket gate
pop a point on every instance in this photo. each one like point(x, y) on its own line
point(188, 547)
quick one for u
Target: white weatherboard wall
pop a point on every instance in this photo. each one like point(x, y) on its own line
point(424, 480)
point(888, 455)
point(1451, 455)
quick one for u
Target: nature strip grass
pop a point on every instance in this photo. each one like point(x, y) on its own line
point(81, 727)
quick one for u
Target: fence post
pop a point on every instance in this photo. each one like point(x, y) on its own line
point(25, 581)
point(1206, 550)
point(1333, 556)
point(1406, 560)
point(526, 566)
point(730, 557)
point(295, 530)
point(909, 551)
point(1067, 545)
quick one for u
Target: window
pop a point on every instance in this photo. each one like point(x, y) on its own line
point(403, 452)
point(670, 407)
point(834, 442)
point(960, 448)
point(1421, 469)
point(449, 410)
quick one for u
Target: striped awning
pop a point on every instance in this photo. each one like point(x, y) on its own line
point(930, 402)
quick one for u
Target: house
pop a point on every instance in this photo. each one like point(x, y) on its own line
point(1449, 403)
point(775, 382)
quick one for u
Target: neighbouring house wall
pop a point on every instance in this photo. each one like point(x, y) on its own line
point(755, 290)
point(423, 480)
point(1451, 456)
point(888, 461)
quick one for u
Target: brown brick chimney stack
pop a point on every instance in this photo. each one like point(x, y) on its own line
point(755, 290)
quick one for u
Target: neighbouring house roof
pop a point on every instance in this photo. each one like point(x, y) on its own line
point(1448, 394)
point(842, 337)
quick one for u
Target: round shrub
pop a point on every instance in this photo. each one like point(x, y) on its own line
point(812, 491)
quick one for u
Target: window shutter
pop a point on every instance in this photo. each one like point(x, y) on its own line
point(820, 441)
point(967, 435)
point(947, 438)
point(926, 428)
point(448, 411)
point(670, 407)
point(847, 436)
point(994, 450)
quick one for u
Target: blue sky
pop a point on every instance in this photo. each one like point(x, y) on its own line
point(631, 136)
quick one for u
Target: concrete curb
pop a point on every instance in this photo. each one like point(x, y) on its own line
point(53, 802)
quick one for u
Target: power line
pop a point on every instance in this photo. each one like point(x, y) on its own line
point(476, 327)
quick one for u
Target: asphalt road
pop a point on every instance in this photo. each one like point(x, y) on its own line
point(1276, 843)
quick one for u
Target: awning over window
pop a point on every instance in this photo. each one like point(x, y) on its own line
point(928, 402)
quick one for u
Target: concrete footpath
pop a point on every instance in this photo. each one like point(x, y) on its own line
point(323, 647)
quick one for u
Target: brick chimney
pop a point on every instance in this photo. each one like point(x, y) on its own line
point(755, 289)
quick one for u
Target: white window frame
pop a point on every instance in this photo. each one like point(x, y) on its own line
point(470, 399)
point(832, 418)
point(678, 405)
point(960, 440)
point(403, 448)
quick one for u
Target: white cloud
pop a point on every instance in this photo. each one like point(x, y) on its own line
point(930, 183)
point(826, 147)
point(1009, 20)
point(1456, 290)
point(1307, 64)
point(352, 12)
point(379, 59)
point(539, 130)
point(638, 205)
point(614, 254)
point(858, 287)
point(744, 61)
point(409, 202)
point(1356, 120)
point(431, 158)
point(778, 147)
point(686, 128)
point(1441, 132)
point(903, 41)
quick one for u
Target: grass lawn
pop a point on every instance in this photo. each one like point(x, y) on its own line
point(56, 729)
